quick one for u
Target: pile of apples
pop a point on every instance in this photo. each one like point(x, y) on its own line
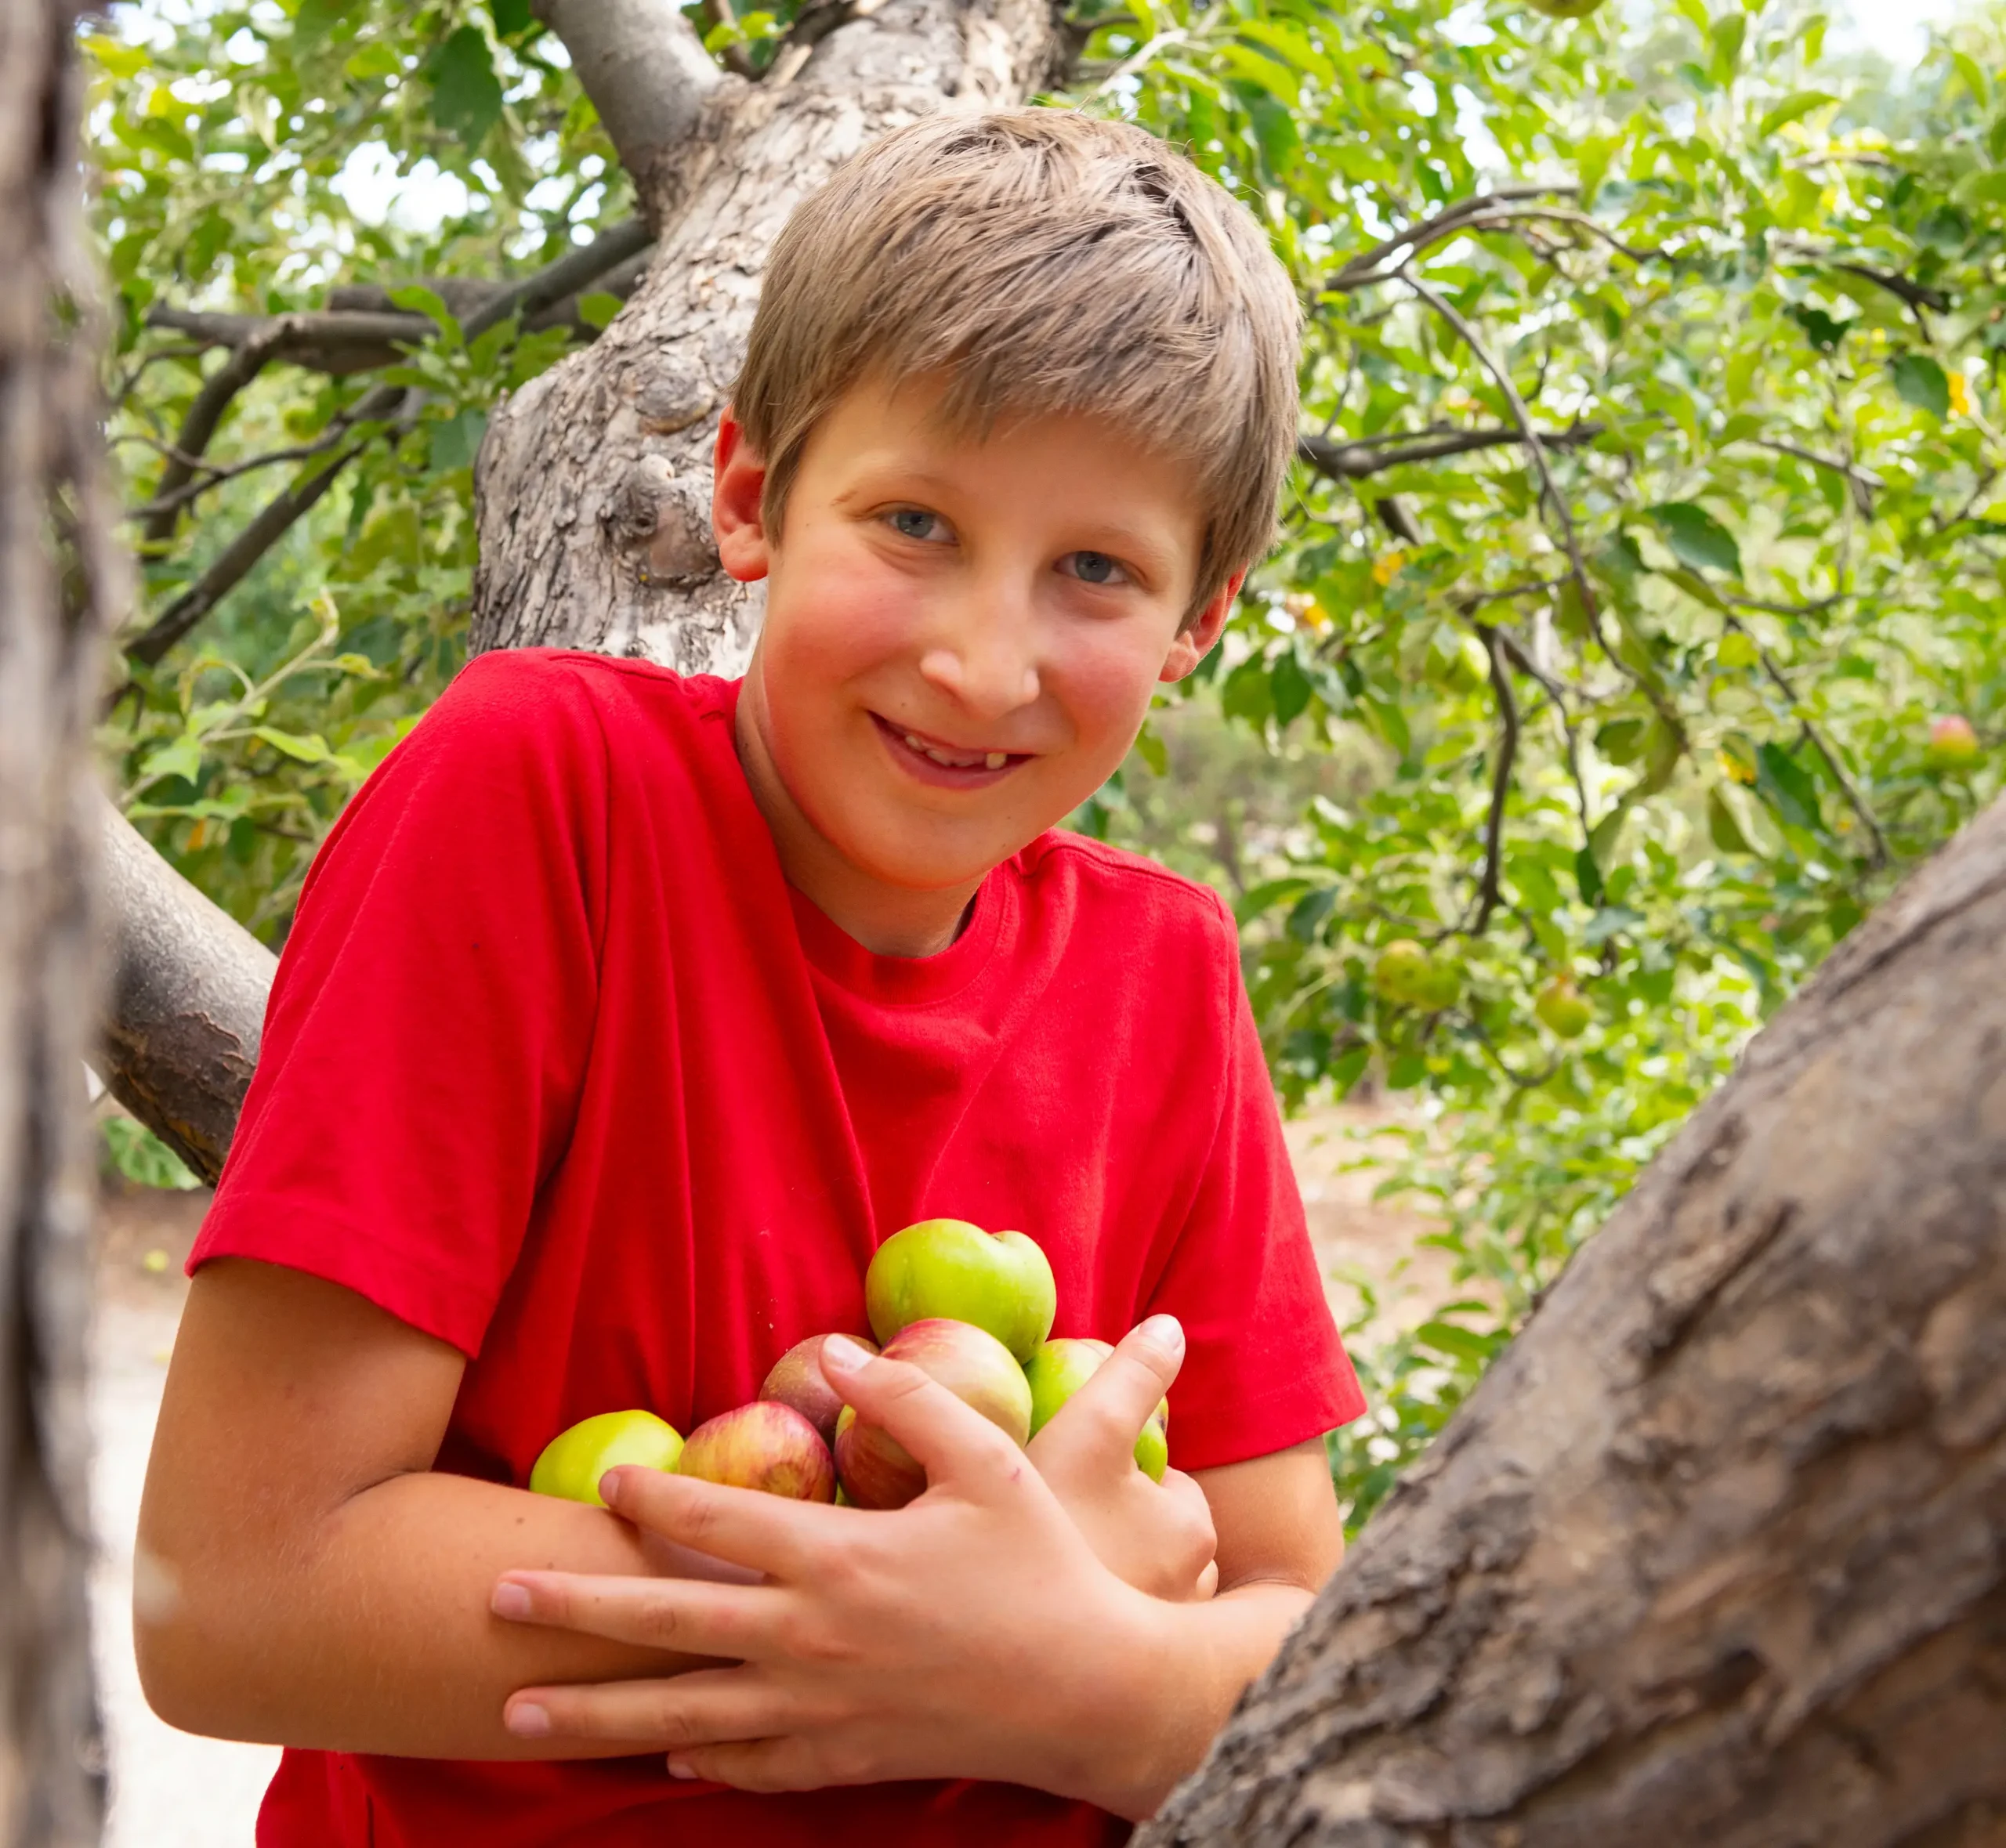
point(973, 1309)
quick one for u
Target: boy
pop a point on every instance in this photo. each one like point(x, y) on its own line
point(625, 1014)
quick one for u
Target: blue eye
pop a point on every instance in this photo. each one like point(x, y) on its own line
point(915, 523)
point(1096, 567)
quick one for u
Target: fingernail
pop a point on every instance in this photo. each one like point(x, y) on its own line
point(1165, 1333)
point(843, 1354)
point(510, 1600)
point(609, 1488)
point(527, 1720)
point(677, 1769)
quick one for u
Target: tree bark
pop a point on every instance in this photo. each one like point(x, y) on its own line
point(51, 1762)
point(1716, 1553)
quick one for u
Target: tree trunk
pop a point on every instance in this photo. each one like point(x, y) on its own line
point(1716, 1553)
point(51, 1763)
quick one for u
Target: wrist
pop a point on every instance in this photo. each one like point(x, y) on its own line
point(1146, 1718)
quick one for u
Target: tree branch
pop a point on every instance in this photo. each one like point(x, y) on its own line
point(623, 244)
point(1359, 456)
point(1451, 222)
point(647, 74)
point(189, 985)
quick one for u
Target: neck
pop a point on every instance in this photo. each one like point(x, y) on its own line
point(887, 920)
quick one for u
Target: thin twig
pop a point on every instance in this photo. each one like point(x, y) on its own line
point(214, 476)
point(1781, 682)
point(1863, 482)
point(1431, 230)
point(1488, 888)
point(1357, 458)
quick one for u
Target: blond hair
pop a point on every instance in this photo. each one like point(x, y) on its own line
point(1041, 262)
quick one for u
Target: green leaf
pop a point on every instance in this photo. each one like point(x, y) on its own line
point(466, 95)
point(1588, 877)
point(1787, 786)
point(1460, 1344)
point(513, 18)
point(1290, 687)
point(138, 1154)
point(1792, 109)
point(456, 440)
point(1727, 33)
point(182, 758)
point(598, 309)
point(312, 748)
point(1920, 381)
point(374, 60)
point(1696, 538)
point(1150, 748)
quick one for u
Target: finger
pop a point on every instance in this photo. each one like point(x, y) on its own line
point(689, 1616)
point(953, 1442)
point(764, 1533)
point(708, 1708)
point(768, 1766)
point(1104, 1417)
point(1209, 1583)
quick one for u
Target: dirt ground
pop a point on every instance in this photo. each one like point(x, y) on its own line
point(170, 1790)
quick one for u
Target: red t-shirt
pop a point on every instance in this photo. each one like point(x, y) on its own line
point(559, 1069)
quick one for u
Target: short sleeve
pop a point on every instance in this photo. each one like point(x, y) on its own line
point(1264, 1367)
point(430, 1027)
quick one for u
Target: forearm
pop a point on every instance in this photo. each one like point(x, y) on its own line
point(1202, 1658)
point(372, 1631)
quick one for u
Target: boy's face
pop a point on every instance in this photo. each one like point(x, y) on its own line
point(961, 637)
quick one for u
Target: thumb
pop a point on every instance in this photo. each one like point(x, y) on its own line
point(1102, 1420)
point(952, 1442)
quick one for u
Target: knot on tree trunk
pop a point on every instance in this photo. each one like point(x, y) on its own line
point(673, 398)
point(663, 522)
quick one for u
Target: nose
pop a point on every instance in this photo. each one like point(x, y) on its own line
point(983, 651)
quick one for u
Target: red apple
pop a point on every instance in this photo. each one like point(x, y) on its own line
point(764, 1446)
point(876, 1469)
point(1953, 742)
point(797, 1380)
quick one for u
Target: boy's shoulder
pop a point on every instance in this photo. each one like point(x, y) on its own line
point(1149, 908)
point(542, 683)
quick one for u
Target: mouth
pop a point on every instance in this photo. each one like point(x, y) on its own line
point(942, 765)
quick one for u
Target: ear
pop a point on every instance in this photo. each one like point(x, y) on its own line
point(1194, 641)
point(738, 478)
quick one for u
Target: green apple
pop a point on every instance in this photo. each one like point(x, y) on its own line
point(797, 1380)
point(764, 1446)
point(572, 1461)
point(1060, 1367)
point(1953, 743)
point(1403, 970)
point(878, 1471)
point(946, 1269)
point(1563, 1008)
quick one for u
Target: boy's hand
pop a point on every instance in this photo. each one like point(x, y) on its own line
point(973, 1633)
point(1157, 1537)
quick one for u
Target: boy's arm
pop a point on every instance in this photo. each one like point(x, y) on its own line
point(303, 1579)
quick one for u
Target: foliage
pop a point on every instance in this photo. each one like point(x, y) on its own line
point(1657, 692)
point(1651, 510)
point(130, 1148)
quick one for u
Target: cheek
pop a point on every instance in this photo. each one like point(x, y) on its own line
point(847, 616)
point(1104, 678)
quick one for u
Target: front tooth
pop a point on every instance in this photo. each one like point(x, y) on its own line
point(996, 760)
point(913, 740)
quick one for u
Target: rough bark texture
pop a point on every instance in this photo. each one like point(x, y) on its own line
point(51, 1763)
point(594, 480)
point(1717, 1553)
point(188, 989)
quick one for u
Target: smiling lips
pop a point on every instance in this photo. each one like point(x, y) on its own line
point(943, 765)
